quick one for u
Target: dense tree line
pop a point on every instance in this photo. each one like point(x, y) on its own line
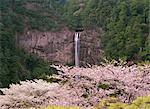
point(15, 63)
point(125, 25)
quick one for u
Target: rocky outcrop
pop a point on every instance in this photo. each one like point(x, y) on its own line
point(58, 47)
point(90, 51)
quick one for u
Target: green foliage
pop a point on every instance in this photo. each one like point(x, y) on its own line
point(73, 13)
point(42, 15)
point(15, 63)
point(124, 23)
point(113, 103)
point(103, 86)
point(125, 35)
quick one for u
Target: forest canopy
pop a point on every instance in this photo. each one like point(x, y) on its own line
point(125, 24)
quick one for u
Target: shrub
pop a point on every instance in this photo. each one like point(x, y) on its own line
point(113, 103)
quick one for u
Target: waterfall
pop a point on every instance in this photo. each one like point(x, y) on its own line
point(77, 47)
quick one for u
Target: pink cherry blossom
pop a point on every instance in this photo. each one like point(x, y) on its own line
point(83, 87)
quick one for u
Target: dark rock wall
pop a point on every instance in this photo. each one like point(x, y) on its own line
point(58, 47)
point(90, 52)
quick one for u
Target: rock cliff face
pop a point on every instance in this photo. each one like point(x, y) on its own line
point(58, 47)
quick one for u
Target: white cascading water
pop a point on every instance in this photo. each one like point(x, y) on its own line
point(77, 47)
